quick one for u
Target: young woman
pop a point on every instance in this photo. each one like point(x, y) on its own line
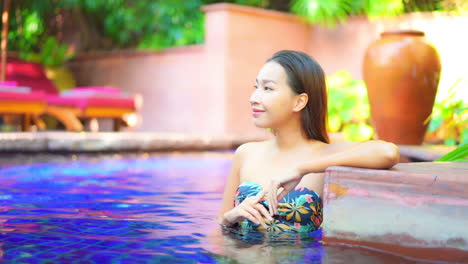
point(276, 185)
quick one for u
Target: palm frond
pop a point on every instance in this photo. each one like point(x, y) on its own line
point(458, 154)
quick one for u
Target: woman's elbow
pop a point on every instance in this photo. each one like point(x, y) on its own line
point(391, 154)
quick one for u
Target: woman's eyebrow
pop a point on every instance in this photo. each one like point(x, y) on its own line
point(265, 81)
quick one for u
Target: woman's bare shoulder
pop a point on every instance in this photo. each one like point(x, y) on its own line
point(251, 147)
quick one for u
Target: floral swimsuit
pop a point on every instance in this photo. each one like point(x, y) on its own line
point(299, 211)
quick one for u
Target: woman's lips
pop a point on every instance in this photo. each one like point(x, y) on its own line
point(257, 112)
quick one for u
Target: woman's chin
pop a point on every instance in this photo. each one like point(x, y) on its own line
point(259, 124)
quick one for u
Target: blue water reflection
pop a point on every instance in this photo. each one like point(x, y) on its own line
point(136, 208)
point(113, 209)
point(110, 209)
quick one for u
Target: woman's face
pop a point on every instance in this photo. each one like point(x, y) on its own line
point(273, 100)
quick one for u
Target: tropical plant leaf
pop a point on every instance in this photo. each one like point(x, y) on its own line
point(332, 12)
point(458, 154)
point(325, 12)
point(348, 108)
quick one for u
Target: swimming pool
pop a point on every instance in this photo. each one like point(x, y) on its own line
point(137, 208)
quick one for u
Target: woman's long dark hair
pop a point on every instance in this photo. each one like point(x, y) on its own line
point(306, 76)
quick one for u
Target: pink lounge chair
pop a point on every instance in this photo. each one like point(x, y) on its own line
point(28, 105)
point(78, 103)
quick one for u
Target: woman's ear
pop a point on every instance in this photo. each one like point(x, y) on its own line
point(301, 102)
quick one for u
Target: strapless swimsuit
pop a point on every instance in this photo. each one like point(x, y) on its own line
point(299, 211)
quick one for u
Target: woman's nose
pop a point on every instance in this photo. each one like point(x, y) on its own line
point(255, 97)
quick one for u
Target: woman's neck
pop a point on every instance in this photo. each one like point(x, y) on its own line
point(289, 136)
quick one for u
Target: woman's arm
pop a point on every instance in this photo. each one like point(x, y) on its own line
point(373, 154)
point(232, 183)
point(250, 208)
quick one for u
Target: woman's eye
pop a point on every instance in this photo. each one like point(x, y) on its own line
point(268, 88)
point(255, 86)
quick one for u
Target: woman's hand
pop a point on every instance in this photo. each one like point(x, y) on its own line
point(250, 209)
point(279, 187)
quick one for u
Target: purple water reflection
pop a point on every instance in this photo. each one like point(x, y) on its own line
point(136, 208)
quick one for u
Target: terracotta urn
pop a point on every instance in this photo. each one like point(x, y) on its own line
point(401, 71)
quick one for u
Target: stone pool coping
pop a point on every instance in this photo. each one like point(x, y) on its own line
point(52, 141)
point(424, 152)
point(115, 142)
point(414, 209)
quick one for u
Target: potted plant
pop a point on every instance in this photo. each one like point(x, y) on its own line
point(53, 56)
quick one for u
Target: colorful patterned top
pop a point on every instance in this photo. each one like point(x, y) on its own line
point(299, 211)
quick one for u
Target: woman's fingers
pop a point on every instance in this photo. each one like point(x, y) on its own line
point(286, 189)
point(248, 216)
point(259, 219)
point(280, 190)
point(259, 197)
point(281, 195)
point(264, 211)
point(272, 202)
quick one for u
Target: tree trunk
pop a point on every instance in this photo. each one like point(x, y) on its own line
point(4, 44)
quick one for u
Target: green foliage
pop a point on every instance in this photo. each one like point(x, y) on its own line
point(151, 24)
point(256, 3)
point(458, 154)
point(147, 24)
point(456, 6)
point(120, 24)
point(179, 25)
point(30, 33)
point(449, 118)
point(155, 25)
point(29, 36)
point(25, 34)
point(332, 12)
point(322, 12)
point(52, 53)
point(348, 107)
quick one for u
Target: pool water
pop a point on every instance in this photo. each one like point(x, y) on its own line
point(138, 208)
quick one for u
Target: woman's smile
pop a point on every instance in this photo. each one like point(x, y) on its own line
point(256, 112)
